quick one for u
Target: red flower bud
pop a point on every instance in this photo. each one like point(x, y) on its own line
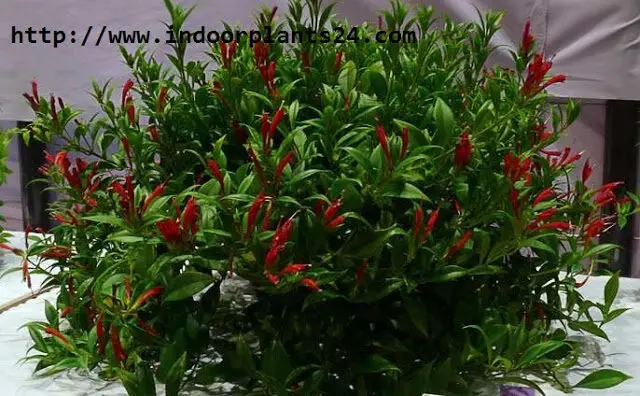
point(527, 38)
point(146, 296)
point(54, 112)
point(148, 329)
point(431, 223)
point(66, 312)
point(463, 151)
point(586, 171)
point(293, 269)
point(311, 284)
point(362, 271)
point(277, 118)
point(460, 244)
point(418, 218)
point(117, 347)
point(254, 209)
point(215, 169)
point(384, 143)
point(57, 334)
point(288, 159)
point(405, 142)
point(332, 210)
point(162, 97)
point(543, 196)
point(335, 223)
point(125, 91)
point(338, 61)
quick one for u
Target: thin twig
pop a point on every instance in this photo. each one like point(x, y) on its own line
point(24, 298)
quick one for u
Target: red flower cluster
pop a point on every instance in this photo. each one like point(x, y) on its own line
point(215, 170)
point(459, 244)
point(463, 150)
point(515, 169)
point(267, 70)
point(183, 228)
point(330, 218)
point(227, 52)
point(127, 199)
point(421, 237)
point(268, 128)
point(537, 71)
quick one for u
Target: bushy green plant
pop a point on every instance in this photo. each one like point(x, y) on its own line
point(392, 207)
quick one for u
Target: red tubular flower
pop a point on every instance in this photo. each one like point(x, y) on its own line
point(125, 91)
point(362, 271)
point(536, 73)
point(182, 229)
point(34, 91)
point(54, 332)
point(405, 142)
point(48, 161)
point(293, 269)
point(527, 39)
point(541, 134)
point(272, 277)
point(268, 73)
point(332, 210)
point(127, 288)
point(146, 296)
point(131, 110)
point(26, 276)
point(100, 326)
point(286, 160)
point(215, 169)
point(431, 223)
point(335, 223)
point(153, 132)
point(257, 165)
point(311, 284)
point(265, 127)
point(127, 149)
point(227, 53)
point(254, 209)
point(515, 205)
point(66, 312)
point(457, 206)
point(54, 112)
point(241, 133)
point(463, 150)
point(595, 228)
point(56, 253)
point(280, 239)
point(543, 196)
point(319, 207)
point(261, 53)
point(117, 347)
point(546, 215)
point(384, 143)
point(338, 61)
point(514, 169)
point(190, 216)
point(460, 244)
point(157, 192)
point(147, 328)
point(554, 225)
point(306, 61)
point(277, 118)
point(162, 97)
point(418, 218)
point(604, 198)
point(586, 171)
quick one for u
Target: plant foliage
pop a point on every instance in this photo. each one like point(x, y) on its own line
point(395, 209)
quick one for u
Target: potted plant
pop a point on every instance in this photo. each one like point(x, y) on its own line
point(392, 211)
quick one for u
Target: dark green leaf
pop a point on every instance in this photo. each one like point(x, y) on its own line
point(187, 284)
point(377, 364)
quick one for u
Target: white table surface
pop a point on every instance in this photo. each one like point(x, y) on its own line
point(16, 377)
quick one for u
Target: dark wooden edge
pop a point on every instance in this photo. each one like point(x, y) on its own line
point(35, 201)
point(621, 164)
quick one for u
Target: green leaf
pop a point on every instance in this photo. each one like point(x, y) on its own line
point(417, 313)
point(300, 176)
point(360, 157)
point(589, 327)
point(318, 297)
point(610, 316)
point(51, 313)
point(602, 379)
point(187, 284)
point(369, 244)
point(243, 358)
point(347, 77)
point(276, 362)
point(106, 219)
point(611, 290)
point(37, 339)
point(444, 118)
point(377, 364)
point(448, 273)
point(175, 375)
point(538, 351)
point(405, 191)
